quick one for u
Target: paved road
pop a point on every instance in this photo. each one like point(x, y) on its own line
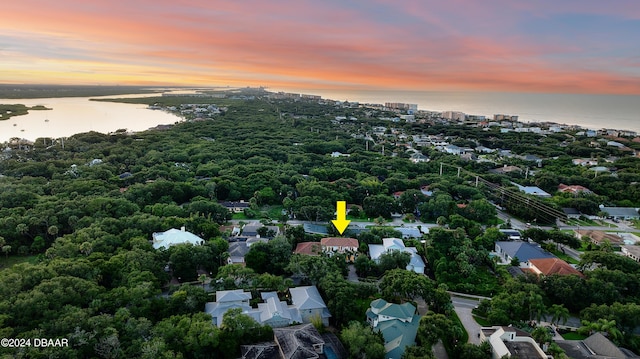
point(352, 276)
point(569, 251)
point(463, 307)
point(439, 352)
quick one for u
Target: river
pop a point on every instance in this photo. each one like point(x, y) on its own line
point(71, 115)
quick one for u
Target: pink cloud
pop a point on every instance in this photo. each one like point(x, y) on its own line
point(308, 42)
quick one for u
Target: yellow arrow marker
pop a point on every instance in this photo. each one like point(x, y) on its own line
point(341, 222)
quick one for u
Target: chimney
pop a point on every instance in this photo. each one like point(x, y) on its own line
point(183, 229)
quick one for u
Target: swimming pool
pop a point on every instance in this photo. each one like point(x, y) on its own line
point(328, 351)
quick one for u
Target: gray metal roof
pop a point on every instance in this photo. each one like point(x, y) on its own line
point(524, 250)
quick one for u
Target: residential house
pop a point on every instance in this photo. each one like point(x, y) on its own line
point(453, 149)
point(625, 213)
point(511, 342)
point(512, 234)
point(268, 350)
point(575, 189)
point(599, 237)
point(235, 207)
point(532, 158)
point(337, 154)
point(409, 232)
point(238, 248)
point(276, 313)
point(398, 324)
point(253, 230)
point(332, 245)
point(631, 251)
point(425, 190)
point(532, 190)
point(229, 299)
point(482, 149)
point(506, 169)
point(571, 213)
point(301, 341)
point(594, 346)
point(599, 169)
point(584, 162)
point(524, 251)
point(308, 248)
point(306, 305)
point(174, 237)
point(296, 342)
point(310, 304)
point(416, 263)
point(551, 266)
point(615, 144)
point(417, 157)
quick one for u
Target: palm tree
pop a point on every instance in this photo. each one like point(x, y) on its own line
point(536, 306)
point(559, 313)
point(608, 327)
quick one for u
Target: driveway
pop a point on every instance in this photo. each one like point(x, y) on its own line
point(352, 276)
point(463, 308)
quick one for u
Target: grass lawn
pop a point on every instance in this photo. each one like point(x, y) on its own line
point(483, 322)
point(573, 336)
point(456, 321)
point(13, 260)
point(564, 257)
point(239, 216)
point(274, 212)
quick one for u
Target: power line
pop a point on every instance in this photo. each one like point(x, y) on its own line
point(534, 203)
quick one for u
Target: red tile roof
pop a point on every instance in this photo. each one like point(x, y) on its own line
point(598, 237)
point(573, 188)
point(339, 242)
point(308, 248)
point(549, 266)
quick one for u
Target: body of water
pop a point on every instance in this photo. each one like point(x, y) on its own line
point(71, 115)
point(586, 110)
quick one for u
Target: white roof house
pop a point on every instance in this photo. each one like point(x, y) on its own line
point(310, 304)
point(229, 299)
point(277, 313)
point(173, 237)
point(416, 263)
point(306, 304)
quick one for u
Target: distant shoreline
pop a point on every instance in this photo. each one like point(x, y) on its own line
point(584, 111)
point(13, 110)
point(54, 91)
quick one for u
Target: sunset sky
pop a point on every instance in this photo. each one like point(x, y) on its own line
point(569, 46)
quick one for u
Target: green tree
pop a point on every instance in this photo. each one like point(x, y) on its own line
point(608, 327)
point(362, 342)
point(559, 313)
point(404, 284)
point(541, 335)
point(379, 206)
point(393, 259)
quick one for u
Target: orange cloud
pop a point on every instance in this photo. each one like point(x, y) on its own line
point(399, 45)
